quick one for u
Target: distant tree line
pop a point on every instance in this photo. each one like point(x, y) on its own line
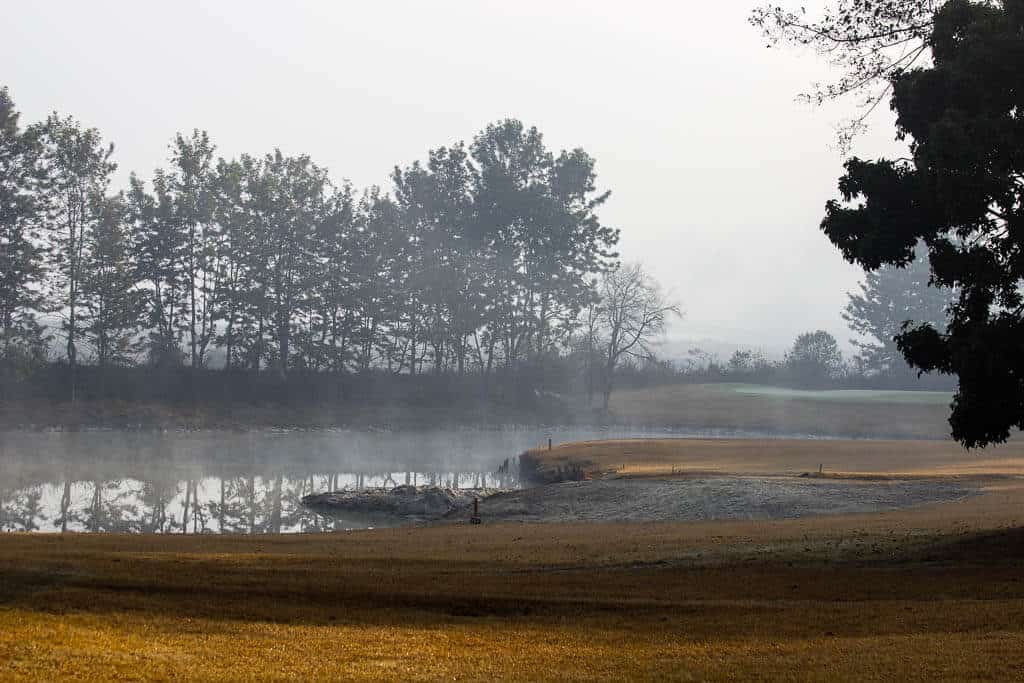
point(478, 260)
point(889, 300)
point(484, 267)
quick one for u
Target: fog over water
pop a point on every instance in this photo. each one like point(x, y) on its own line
point(245, 482)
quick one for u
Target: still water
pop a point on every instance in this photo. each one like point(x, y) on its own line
point(239, 482)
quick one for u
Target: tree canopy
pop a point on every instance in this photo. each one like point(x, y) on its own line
point(867, 42)
point(960, 193)
point(814, 359)
point(481, 257)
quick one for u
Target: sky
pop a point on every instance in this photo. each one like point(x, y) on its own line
point(718, 174)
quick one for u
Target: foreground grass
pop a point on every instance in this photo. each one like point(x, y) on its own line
point(929, 593)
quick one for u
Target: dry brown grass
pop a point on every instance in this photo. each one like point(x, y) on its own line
point(921, 594)
point(926, 593)
point(638, 457)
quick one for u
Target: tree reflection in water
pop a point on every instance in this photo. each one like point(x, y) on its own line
point(233, 504)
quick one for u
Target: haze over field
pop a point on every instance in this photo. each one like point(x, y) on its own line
point(712, 163)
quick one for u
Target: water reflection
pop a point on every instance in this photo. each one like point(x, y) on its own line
point(245, 482)
point(250, 504)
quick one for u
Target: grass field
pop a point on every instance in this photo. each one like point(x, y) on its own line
point(787, 457)
point(755, 408)
point(848, 396)
point(926, 593)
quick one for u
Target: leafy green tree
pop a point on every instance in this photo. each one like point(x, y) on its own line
point(961, 192)
point(22, 265)
point(815, 359)
point(333, 315)
point(540, 238)
point(79, 169)
point(291, 200)
point(191, 189)
point(748, 362)
point(436, 204)
point(112, 305)
point(159, 250)
point(379, 254)
point(233, 221)
point(890, 298)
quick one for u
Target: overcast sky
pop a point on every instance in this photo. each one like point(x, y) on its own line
point(718, 175)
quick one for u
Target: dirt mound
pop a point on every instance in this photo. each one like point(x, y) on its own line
point(414, 502)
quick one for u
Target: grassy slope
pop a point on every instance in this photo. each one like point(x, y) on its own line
point(745, 407)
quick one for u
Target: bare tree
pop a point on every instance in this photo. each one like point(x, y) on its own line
point(633, 311)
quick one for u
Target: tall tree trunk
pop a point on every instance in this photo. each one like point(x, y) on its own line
point(222, 508)
point(184, 515)
point(275, 513)
point(252, 504)
point(65, 506)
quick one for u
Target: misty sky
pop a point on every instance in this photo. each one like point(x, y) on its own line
point(719, 176)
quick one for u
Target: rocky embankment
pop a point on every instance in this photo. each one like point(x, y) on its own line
point(412, 503)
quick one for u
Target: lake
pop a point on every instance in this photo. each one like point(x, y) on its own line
point(242, 482)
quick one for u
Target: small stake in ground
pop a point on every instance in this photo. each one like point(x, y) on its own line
point(475, 519)
point(819, 468)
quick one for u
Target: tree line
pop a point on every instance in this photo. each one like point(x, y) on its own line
point(481, 257)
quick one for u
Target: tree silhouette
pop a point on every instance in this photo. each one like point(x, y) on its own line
point(961, 193)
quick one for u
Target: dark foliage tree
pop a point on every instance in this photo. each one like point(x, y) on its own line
point(890, 298)
point(961, 193)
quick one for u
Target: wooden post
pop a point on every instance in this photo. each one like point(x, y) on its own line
point(475, 519)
